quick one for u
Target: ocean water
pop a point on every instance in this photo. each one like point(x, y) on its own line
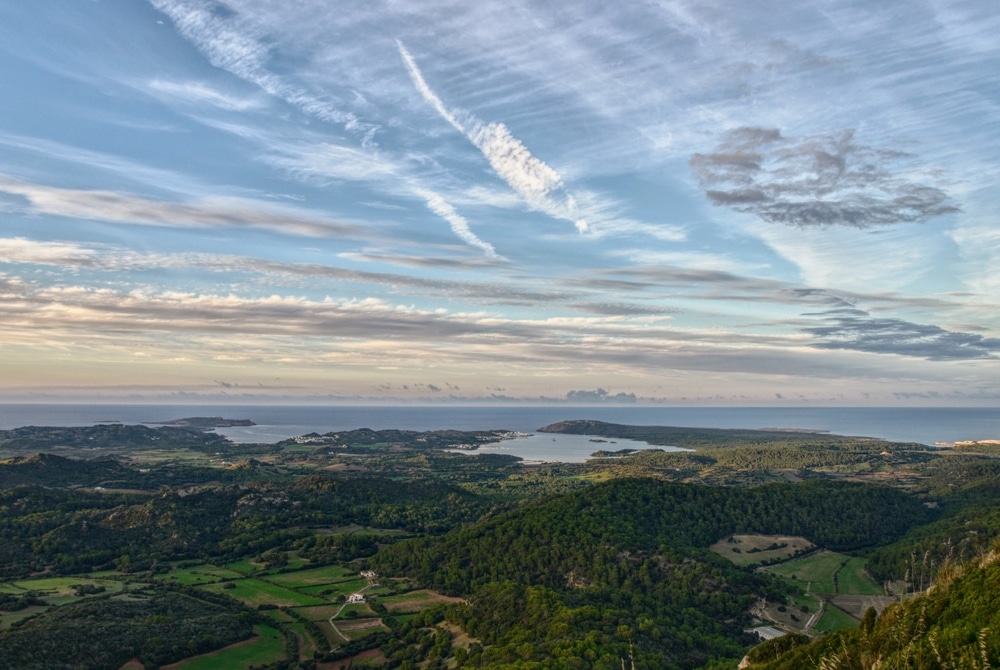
point(542, 447)
point(923, 424)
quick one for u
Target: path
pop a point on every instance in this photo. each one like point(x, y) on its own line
point(337, 613)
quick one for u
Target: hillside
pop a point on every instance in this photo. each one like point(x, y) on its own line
point(483, 561)
point(956, 624)
point(627, 561)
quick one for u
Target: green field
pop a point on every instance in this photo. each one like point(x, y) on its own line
point(63, 584)
point(318, 613)
point(811, 602)
point(59, 590)
point(246, 566)
point(408, 602)
point(834, 619)
point(255, 592)
point(279, 615)
point(360, 610)
point(295, 561)
point(200, 574)
point(360, 633)
point(8, 620)
point(813, 573)
point(267, 648)
point(853, 580)
point(343, 587)
point(315, 576)
point(307, 645)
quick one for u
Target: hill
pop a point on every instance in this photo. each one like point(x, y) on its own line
point(956, 624)
point(623, 568)
point(50, 470)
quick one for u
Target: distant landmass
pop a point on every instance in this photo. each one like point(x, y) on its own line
point(205, 422)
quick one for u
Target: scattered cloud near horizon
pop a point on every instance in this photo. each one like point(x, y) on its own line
point(601, 396)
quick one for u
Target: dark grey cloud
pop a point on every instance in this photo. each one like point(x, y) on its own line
point(822, 180)
point(858, 331)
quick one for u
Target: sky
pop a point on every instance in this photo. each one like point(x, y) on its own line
point(711, 202)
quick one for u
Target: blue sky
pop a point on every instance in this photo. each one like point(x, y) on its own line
point(710, 202)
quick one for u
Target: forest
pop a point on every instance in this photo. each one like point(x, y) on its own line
point(152, 545)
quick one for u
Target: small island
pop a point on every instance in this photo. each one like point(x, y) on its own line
point(602, 453)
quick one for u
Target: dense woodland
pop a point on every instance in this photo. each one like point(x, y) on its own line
point(594, 565)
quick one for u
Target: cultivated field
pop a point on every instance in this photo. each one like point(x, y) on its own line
point(756, 549)
point(255, 592)
point(267, 646)
point(414, 601)
point(814, 573)
point(315, 576)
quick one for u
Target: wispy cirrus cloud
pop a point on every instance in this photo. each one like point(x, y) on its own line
point(114, 258)
point(540, 186)
point(822, 180)
point(233, 43)
point(129, 209)
point(201, 93)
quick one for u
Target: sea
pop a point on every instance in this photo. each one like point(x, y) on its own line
point(925, 425)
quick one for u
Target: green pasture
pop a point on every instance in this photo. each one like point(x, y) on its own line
point(408, 602)
point(9, 619)
point(268, 647)
point(318, 613)
point(359, 633)
point(295, 561)
point(360, 610)
point(307, 645)
point(245, 566)
point(200, 574)
point(811, 602)
point(813, 573)
point(157, 456)
point(254, 592)
point(854, 580)
point(834, 619)
point(344, 587)
point(279, 615)
point(315, 576)
point(59, 590)
point(64, 584)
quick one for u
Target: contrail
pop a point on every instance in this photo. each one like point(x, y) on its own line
point(531, 178)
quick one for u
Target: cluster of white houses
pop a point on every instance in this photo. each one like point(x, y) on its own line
point(359, 597)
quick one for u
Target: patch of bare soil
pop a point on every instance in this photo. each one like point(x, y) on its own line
point(786, 616)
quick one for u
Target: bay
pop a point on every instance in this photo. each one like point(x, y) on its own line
point(925, 425)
